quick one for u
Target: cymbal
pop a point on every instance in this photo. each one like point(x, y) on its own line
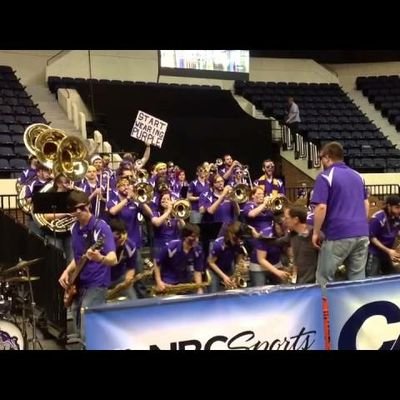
point(21, 265)
point(21, 279)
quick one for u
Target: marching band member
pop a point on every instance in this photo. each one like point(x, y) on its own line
point(92, 187)
point(265, 260)
point(225, 253)
point(60, 240)
point(196, 188)
point(217, 204)
point(95, 276)
point(124, 271)
point(271, 185)
point(180, 261)
point(166, 227)
point(384, 229)
point(179, 183)
point(127, 209)
point(228, 167)
point(29, 174)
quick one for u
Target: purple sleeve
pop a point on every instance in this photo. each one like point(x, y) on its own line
point(192, 187)
point(216, 249)
point(247, 208)
point(109, 243)
point(321, 191)
point(111, 204)
point(374, 227)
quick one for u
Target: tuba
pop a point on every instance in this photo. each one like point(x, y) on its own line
point(240, 193)
point(58, 225)
point(31, 133)
point(181, 209)
point(47, 144)
point(144, 192)
point(277, 203)
point(71, 158)
point(182, 288)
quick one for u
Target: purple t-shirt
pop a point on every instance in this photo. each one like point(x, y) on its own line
point(196, 188)
point(27, 176)
point(273, 252)
point(167, 231)
point(383, 228)
point(270, 185)
point(261, 221)
point(225, 254)
point(126, 260)
point(224, 213)
point(342, 190)
point(93, 273)
point(129, 214)
point(176, 266)
point(35, 186)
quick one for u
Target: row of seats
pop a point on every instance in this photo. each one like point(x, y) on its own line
point(12, 120)
point(337, 118)
point(12, 151)
point(384, 93)
point(7, 139)
point(14, 164)
point(56, 82)
point(17, 111)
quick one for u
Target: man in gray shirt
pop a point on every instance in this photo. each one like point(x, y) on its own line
point(293, 117)
point(305, 255)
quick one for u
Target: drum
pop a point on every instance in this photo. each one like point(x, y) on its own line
point(10, 336)
point(5, 298)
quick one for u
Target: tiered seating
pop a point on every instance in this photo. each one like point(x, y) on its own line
point(17, 111)
point(384, 93)
point(327, 114)
point(56, 82)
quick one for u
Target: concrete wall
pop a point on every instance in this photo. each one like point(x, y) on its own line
point(349, 72)
point(29, 64)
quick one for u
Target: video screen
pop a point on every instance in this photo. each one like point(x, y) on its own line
point(222, 64)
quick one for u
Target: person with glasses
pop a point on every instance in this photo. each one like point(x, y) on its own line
point(95, 275)
point(341, 213)
point(272, 186)
point(196, 188)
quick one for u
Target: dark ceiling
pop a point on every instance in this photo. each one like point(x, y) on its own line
point(332, 56)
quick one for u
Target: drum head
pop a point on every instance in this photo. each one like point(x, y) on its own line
point(10, 336)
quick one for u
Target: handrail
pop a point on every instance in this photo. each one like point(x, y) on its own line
point(56, 56)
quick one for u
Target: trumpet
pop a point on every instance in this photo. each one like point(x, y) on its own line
point(240, 193)
point(181, 209)
point(144, 192)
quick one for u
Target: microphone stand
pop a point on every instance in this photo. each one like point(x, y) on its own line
point(35, 340)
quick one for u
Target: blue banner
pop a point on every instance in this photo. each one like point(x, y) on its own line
point(365, 315)
point(269, 318)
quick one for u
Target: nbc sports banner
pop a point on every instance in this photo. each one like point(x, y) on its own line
point(268, 318)
point(365, 315)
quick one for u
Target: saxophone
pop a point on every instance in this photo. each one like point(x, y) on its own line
point(113, 294)
point(240, 274)
point(182, 288)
